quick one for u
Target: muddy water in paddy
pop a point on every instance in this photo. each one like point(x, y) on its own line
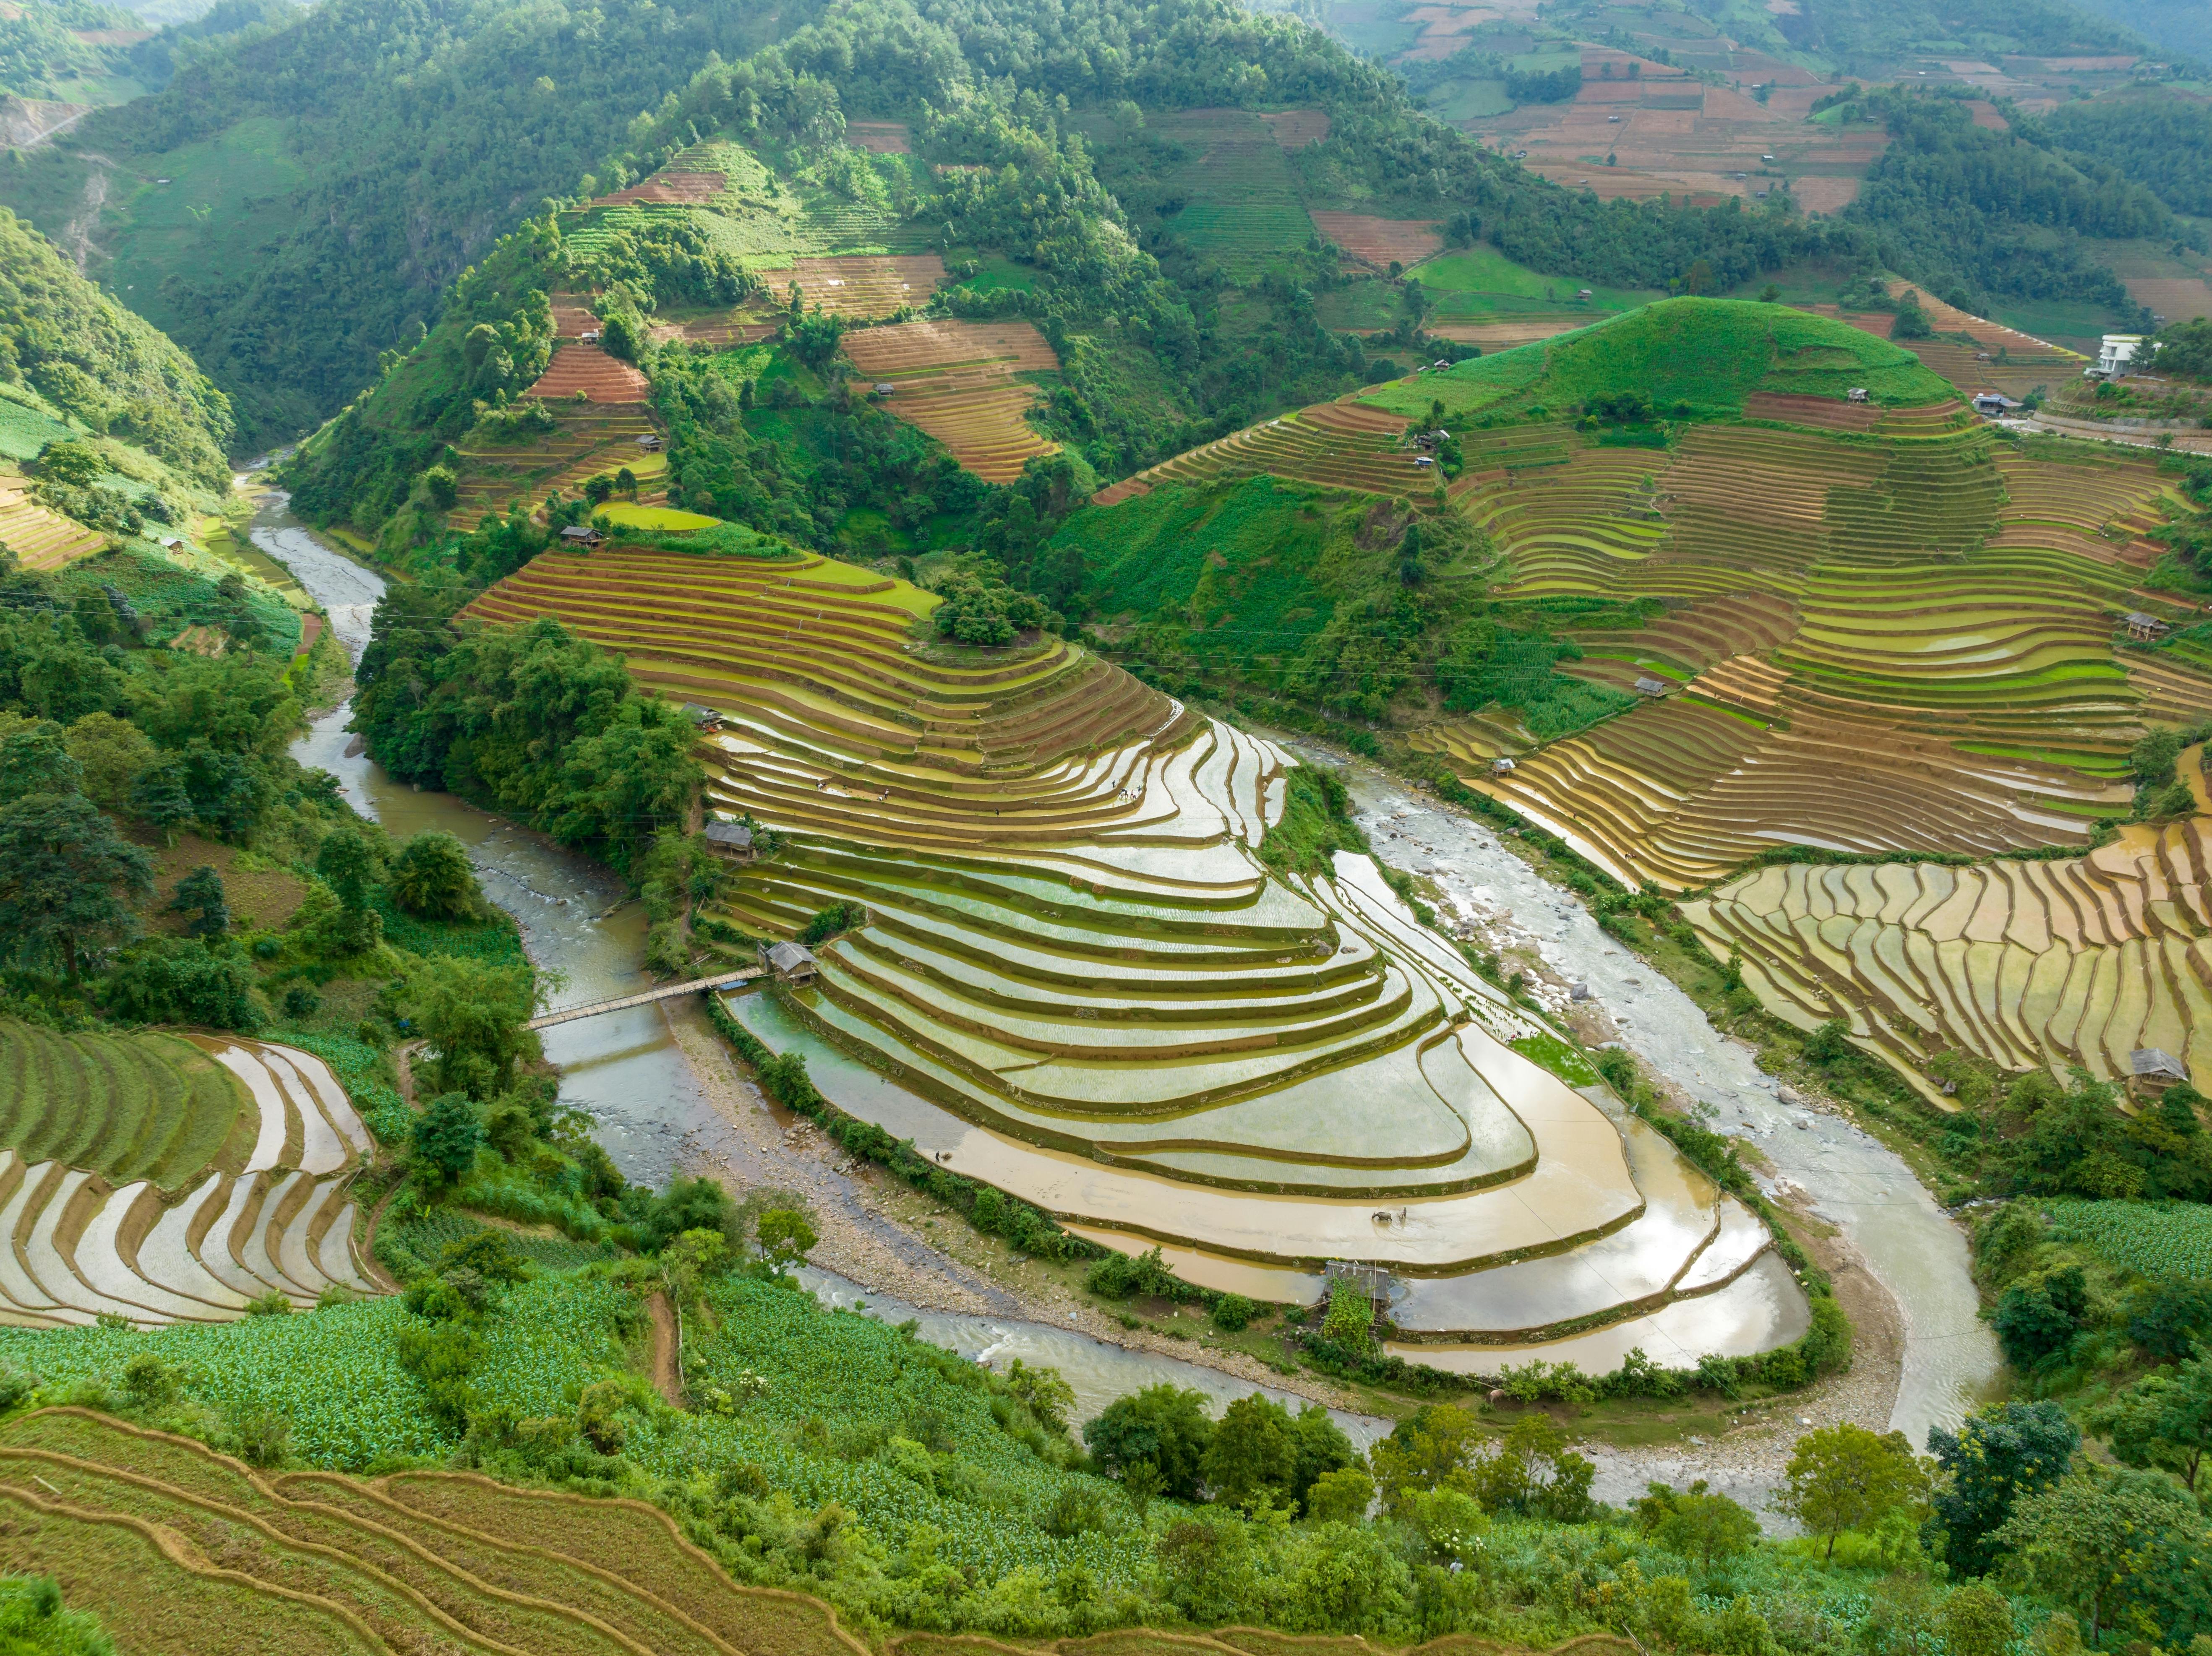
point(1910, 1245)
point(625, 1069)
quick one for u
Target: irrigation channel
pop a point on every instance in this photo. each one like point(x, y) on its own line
point(624, 1068)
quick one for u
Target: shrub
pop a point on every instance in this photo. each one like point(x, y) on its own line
point(1351, 1319)
point(1233, 1313)
point(432, 878)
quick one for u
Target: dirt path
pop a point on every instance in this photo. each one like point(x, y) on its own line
point(668, 1372)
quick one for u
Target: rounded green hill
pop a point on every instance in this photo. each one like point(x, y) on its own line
point(1708, 354)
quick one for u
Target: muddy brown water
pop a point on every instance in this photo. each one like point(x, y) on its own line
point(624, 1068)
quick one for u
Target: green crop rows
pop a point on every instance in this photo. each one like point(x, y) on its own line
point(334, 1375)
point(24, 431)
point(130, 1107)
point(986, 1495)
point(1710, 354)
point(2154, 1239)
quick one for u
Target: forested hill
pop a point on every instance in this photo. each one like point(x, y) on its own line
point(102, 367)
point(328, 180)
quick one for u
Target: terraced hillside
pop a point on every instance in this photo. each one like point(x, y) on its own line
point(2025, 964)
point(1077, 980)
point(185, 1552)
point(164, 1178)
point(40, 538)
point(956, 380)
point(1338, 445)
point(588, 438)
point(1880, 594)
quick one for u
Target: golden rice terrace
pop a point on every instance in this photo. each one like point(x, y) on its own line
point(1077, 982)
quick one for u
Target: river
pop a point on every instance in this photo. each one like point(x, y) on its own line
point(625, 1069)
point(1853, 1181)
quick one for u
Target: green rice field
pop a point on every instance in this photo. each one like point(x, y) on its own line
point(128, 1107)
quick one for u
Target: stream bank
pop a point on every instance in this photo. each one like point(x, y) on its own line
point(1899, 1262)
point(668, 1096)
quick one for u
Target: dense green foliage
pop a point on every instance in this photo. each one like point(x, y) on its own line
point(33, 1622)
point(40, 53)
point(101, 365)
point(533, 720)
point(2154, 139)
point(1869, 36)
point(791, 464)
point(1970, 212)
point(420, 130)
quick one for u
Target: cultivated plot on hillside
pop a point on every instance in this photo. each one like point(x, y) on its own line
point(956, 380)
point(2026, 964)
point(40, 538)
point(1070, 947)
point(163, 1178)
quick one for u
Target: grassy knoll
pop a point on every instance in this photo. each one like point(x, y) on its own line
point(1479, 281)
point(1707, 354)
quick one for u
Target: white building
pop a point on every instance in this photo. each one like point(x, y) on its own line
point(2115, 356)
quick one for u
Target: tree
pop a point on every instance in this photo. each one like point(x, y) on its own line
point(200, 893)
point(1251, 1460)
point(1977, 1621)
point(1532, 1472)
point(786, 1238)
point(2002, 1453)
point(472, 1013)
point(1163, 1427)
point(113, 753)
point(158, 795)
point(1697, 1522)
point(1341, 1496)
point(2163, 1420)
point(32, 760)
point(2036, 1321)
point(432, 877)
point(76, 463)
point(447, 1136)
point(1846, 1477)
point(65, 876)
point(687, 1262)
point(1318, 1447)
point(347, 865)
point(2091, 1542)
point(1043, 1391)
point(1432, 1448)
point(441, 488)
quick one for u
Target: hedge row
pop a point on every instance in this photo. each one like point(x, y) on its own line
point(784, 1078)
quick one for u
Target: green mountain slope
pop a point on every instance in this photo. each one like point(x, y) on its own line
point(326, 181)
point(144, 428)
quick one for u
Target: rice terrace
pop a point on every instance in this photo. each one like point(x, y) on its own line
point(867, 829)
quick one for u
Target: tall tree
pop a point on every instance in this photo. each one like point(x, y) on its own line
point(65, 879)
point(1846, 1477)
